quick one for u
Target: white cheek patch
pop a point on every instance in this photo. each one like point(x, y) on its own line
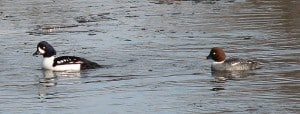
point(41, 50)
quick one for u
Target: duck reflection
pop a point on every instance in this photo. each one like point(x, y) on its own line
point(220, 77)
point(50, 77)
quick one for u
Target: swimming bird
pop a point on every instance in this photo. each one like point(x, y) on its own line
point(231, 64)
point(62, 63)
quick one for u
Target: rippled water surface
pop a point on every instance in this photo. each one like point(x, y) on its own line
point(157, 51)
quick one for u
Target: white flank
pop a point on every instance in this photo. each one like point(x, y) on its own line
point(48, 64)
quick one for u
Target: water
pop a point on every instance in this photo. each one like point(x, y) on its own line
point(156, 50)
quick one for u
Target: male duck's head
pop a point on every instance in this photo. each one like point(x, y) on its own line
point(45, 49)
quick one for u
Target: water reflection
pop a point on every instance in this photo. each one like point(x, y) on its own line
point(221, 77)
point(230, 74)
point(50, 77)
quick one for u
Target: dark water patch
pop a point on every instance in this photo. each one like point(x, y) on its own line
point(54, 29)
point(54, 26)
point(194, 1)
point(94, 18)
point(50, 29)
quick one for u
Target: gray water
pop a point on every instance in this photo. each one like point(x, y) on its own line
point(156, 50)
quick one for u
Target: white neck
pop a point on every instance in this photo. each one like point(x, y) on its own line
point(215, 62)
point(48, 62)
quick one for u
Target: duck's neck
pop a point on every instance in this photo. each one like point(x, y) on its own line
point(48, 62)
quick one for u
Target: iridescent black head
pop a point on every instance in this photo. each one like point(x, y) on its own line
point(45, 49)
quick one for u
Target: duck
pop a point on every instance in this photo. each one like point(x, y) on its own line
point(220, 63)
point(62, 63)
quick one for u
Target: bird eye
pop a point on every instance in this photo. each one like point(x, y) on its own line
point(214, 53)
point(43, 47)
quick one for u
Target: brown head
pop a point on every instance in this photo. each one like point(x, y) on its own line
point(217, 54)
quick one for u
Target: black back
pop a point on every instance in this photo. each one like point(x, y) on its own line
point(85, 64)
